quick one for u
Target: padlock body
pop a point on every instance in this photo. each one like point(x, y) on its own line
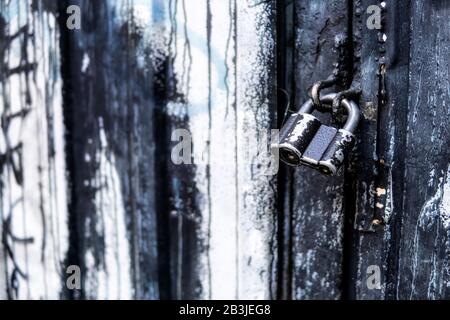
point(321, 147)
point(336, 152)
point(304, 140)
point(295, 137)
point(318, 145)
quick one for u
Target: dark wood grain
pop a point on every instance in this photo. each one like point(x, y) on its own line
point(383, 74)
point(109, 110)
point(423, 259)
point(317, 201)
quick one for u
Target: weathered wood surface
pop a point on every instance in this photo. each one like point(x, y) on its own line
point(92, 118)
point(111, 151)
point(33, 186)
point(410, 189)
point(227, 240)
point(387, 198)
point(424, 245)
point(384, 57)
point(317, 206)
point(138, 225)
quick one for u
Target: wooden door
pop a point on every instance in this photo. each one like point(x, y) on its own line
point(93, 120)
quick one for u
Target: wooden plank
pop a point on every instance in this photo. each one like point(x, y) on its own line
point(33, 192)
point(111, 150)
point(423, 257)
point(317, 201)
point(256, 98)
point(410, 198)
point(380, 168)
point(285, 81)
point(224, 78)
point(185, 101)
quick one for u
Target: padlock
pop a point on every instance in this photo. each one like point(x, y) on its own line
point(296, 135)
point(304, 140)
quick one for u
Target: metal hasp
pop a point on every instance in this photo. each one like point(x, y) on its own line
point(304, 140)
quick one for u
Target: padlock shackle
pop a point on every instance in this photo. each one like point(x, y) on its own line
point(351, 107)
point(353, 115)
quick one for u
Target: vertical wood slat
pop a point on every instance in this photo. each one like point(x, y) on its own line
point(384, 79)
point(33, 193)
point(411, 248)
point(109, 112)
point(188, 188)
point(256, 98)
point(225, 78)
point(285, 83)
point(369, 237)
point(318, 201)
point(424, 245)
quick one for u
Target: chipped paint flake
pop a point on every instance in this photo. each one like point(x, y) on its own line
point(380, 192)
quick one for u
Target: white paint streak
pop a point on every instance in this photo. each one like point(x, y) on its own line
point(223, 251)
point(38, 209)
point(191, 69)
point(389, 200)
point(113, 280)
point(85, 63)
point(445, 202)
point(298, 130)
point(236, 200)
point(437, 206)
point(434, 214)
point(256, 200)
